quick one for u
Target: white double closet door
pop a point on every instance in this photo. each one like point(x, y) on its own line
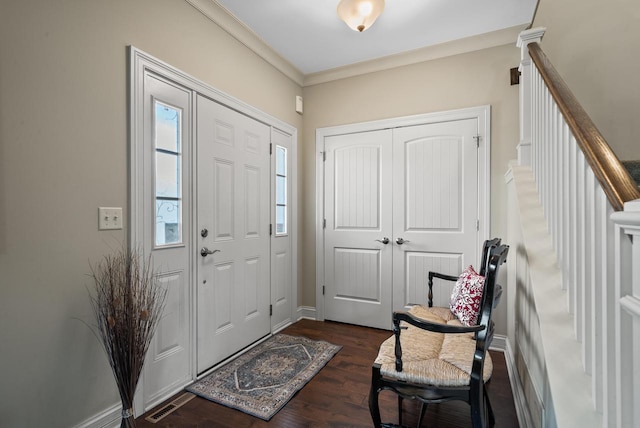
point(398, 203)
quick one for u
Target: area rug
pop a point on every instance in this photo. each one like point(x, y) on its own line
point(261, 381)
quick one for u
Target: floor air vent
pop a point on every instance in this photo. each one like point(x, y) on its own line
point(170, 408)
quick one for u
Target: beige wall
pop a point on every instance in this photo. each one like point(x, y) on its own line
point(594, 44)
point(63, 153)
point(467, 80)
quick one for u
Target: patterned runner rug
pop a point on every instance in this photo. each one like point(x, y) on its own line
point(261, 381)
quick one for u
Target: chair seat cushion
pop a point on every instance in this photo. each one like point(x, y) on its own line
point(430, 358)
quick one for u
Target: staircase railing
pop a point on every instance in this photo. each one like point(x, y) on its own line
point(591, 207)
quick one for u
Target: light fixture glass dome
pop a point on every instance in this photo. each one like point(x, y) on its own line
point(360, 14)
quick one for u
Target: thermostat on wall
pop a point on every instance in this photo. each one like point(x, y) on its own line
point(298, 104)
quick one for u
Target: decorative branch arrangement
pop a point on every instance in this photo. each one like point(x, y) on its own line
point(127, 305)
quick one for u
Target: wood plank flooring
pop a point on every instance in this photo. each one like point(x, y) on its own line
point(338, 395)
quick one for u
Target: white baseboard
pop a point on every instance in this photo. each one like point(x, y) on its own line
point(519, 399)
point(306, 312)
point(284, 324)
point(499, 343)
point(108, 418)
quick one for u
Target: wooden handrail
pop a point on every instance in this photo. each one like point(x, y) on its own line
point(612, 175)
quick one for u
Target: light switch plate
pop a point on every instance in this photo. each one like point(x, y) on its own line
point(109, 218)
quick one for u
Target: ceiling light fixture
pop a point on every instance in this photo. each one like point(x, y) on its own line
point(360, 14)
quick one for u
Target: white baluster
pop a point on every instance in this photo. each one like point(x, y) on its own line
point(540, 134)
point(566, 208)
point(552, 176)
point(573, 198)
point(547, 155)
point(589, 262)
point(535, 100)
point(598, 291)
point(544, 160)
point(609, 304)
point(535, 122)
point(580, 253)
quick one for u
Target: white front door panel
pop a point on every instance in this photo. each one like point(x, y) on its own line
point(233, 283)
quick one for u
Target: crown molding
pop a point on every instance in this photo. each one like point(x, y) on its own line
point(469, 44)
point(225, 20)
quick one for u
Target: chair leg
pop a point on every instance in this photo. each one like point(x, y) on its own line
point(478, 408)
point(399, 410)
point(478, 419)
point(423, 410)
point(374, 407)
point(492, 419)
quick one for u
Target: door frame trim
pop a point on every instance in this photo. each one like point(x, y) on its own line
point(481, 113)
point(138, 63)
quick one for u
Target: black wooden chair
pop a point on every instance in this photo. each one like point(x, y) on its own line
point(434, 358)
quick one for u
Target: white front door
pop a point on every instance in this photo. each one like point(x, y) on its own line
point(418, 187)
point(358, 178)
point(233, 216)
point(435, 207)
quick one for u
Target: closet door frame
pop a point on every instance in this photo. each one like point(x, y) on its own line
point(483, 116)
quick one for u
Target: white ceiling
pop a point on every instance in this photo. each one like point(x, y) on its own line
point(309, 34)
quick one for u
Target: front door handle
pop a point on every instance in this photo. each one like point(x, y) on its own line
point(401, 241)
point(204, 252)
point(384, 240)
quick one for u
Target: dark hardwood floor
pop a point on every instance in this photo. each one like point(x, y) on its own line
point(338, 395)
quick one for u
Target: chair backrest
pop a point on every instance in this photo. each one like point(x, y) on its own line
point(497, 256)
point(486, 248)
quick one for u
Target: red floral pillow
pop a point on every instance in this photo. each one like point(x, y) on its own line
point(467, 296)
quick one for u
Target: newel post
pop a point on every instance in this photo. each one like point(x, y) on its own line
point(526, 93)
point(627, 294)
